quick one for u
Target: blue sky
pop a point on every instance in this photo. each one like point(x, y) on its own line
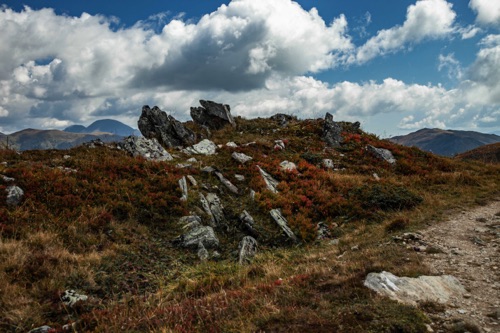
point(394, 65)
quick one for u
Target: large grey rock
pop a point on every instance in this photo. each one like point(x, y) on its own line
point(332, 132)
point(71, 297)
point(226, 183)
point(283, 223)
point(240, 157)
point(381, 153)
point(197, 234)
point(410, 291)
point(150, 149)
point(247, 249)
point(271, 183)
point(14, 195)
point(204, 147)
point(212, 115)
point(283, 119)
point(154, 123)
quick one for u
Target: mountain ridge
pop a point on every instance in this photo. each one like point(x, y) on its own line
point(104, 126)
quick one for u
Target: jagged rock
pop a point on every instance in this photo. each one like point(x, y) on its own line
point(323, 231)
point(7, 179)
point(70, 298)
point(208, 169)
point(240, 157)
point(231, 145)
point(190, 222)
point(212, 115)
point(202, 252)
point(328, 163)
point(154, 123)
point(332, 132)
point(41, 329)
point(381, 153)
point(206, 208)
point(410, 291)
point(271, 183)
point(192, 180)
point(283, 119)
point(184, 188)
point(247, 249)
point(288, 166)
point(283, 223)
point(197, 234)
point(245, 217)
point(14, 195)
point(191, 160)
point(204, 147)
point(216, 208)
point(149, 149)
point(227, 183)
point(279, 145)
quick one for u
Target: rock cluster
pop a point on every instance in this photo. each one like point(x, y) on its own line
point(332, 132)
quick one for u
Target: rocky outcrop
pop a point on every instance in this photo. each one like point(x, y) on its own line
point(271, 183)
point(14, 195)
point(283, 119)
point(381, 153)
point(196, 234)
point(283, 224)
point(212, 115)
point(154, 123)
point(247, 249)
point(149, 149)
point(212, 206)
point(410, 291)
point(332, 132)
point(204, 147)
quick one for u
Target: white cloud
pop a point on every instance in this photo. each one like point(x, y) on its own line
point(488, 11)
point(469, 32)
point(452, 65)
point(3, 112)
point(426, 19)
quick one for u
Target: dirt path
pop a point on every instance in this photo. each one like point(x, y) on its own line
point(470, 245)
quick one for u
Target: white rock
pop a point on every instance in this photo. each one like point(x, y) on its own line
point(204, 147)
point(231, 145)
point(70, 297)
point(184, 188)
point(271, 183)
point(288, 166)
point(328, 163)
point(14, 195)
point(283, 223)
point(239, 178)
point(413, 290)
point(240, 157)
point(192, 180)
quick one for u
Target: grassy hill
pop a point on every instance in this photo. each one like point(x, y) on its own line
point(487, 154)
point(104, 224)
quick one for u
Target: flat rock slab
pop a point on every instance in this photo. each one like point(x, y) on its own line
point(410, 291)
point(204, 147)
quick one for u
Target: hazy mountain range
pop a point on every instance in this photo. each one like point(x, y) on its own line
point(445, 142)
point(107, 130)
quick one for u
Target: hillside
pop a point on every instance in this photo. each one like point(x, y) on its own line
point(29, 139)
point(118, 230)
point(487, 154)
point(104, 126)
point(445, 142)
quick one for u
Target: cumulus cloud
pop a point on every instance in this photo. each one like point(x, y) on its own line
point(452, 65)
point(488, 11)
point(426, 19)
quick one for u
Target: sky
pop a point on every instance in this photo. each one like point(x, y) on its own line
point(395, 66)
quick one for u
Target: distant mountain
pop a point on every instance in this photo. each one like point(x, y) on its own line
point(487, 154)
point(104, 126)
point(445, 142)
point(29, 139)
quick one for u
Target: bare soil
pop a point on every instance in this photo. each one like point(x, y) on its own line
point(467, 246)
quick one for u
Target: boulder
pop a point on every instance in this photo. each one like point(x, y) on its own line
point(149, 149)
point(154, 123)
point(247, 249)
point(332, 132)
point(14, 195)
point(197, 234)
point(70, 298)
point(381, 153)
point(283, 223)
point(204, 147)
point(240, 157)
point(42, 329)
point(271, 183)
point(440, 289)
point(212, 115)
point(288, 166)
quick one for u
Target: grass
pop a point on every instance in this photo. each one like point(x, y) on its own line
point(106, 231)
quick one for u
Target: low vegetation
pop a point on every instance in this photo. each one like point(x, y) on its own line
point(102, 223)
